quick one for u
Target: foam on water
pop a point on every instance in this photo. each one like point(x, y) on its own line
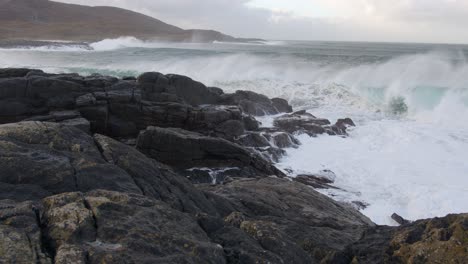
point(414, 164)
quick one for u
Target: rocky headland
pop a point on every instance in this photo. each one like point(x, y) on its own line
point(162, 169)
point(29, 22)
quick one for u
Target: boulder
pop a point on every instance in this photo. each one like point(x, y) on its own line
point(16, 72)
point(56, 158)
point(216, 120)
point(157, 87)
point(281, 105)
point(302, 122)
point(196, 150)
point(111, 227)
point(251, 103)
point(342, 125)
point(438, 240)
point(192, 92)
point(288, 219)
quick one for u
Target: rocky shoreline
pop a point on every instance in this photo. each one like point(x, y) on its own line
point(162, 169)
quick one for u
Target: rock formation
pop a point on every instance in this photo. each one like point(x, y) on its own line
point(162, 169)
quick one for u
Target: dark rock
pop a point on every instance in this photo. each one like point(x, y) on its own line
point(192, 92)
point(282, 105)
point(301, 122)
point(253, 139)
point(85, 100)
point(154, 179)
point(239, 247)
point(250, 123)
point(22, 192)
point(46, 88)
point(216, 90)
point(251, 103)
point(195, 150)
point(120, 128)
point(59, 116)
point(400, 220)
point(223, 121)
point(341, 126)
point(213, 175)
point(315, 181)
point(80, 123)
point(154, 85)
point(13, 88)
point(438, 240)
point(235, 219)
point(284, 140)
point(99, 81)
point(290, 219)
point(15, 110)
point(359, 205)
point(20, 233)
point(129, 78)
point(56, 158)
point(15, 72)
point(97, 116)
point(231, 129)
point(103, 226)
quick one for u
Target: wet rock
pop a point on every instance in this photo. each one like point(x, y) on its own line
point(59, 116)
point(250, 123)
point(193, 92)
point(254, 103)
point(253, 139)
point(302, 122)
point(235, 219)
point(284, 140)
point(438, 240)
point(154, 179)
point(80, 123)
point(189, 91)
point(119, 128)
point(56, 158)
point(20, 234)
point(212, 175)
point(15, 72)
point(288, 216)
point(13, 87)
point(281, 105)
point(97, 116)
point(342, 125)
point(222, 121)
point(49, 88)
point(315, 181)
point(85, 100)
point(196, 150)
point(118, 227)
point(400, 220)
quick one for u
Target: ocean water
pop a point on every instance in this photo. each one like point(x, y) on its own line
point(409, 151)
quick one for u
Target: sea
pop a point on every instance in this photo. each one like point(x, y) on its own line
point(408, 153)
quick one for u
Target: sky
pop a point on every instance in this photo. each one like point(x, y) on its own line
point(436, 21)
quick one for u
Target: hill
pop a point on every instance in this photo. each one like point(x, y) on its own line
point(48, 20)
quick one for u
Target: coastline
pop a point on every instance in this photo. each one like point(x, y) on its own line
point(165, 150)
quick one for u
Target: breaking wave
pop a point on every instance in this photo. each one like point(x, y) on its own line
point(408, 153)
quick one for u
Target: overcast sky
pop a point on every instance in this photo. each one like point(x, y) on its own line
point(444, 21)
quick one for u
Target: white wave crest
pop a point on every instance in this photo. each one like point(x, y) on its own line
point(120, 43)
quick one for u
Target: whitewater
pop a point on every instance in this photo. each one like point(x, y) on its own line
point(410, 160)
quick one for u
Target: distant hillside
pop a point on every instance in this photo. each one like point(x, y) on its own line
point(48, 20)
